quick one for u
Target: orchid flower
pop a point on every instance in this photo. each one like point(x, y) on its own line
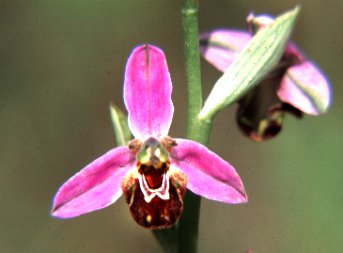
point(295, 85)
point(153, 170)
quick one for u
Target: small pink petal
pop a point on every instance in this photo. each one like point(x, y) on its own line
point(147, 93)
point(208, 174)
point(221, 47)
point(95, 186)
point(305, 88)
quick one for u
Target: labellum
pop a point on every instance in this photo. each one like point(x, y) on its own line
point(260, 114)
point(154, 191)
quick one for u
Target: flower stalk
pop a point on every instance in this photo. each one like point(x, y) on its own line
point(188, 227)
point(192, 62)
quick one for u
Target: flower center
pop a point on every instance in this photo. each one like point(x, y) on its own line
point(153, 154)
point(153, 166)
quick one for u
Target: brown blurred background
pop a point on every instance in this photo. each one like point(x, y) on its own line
point(62, 62)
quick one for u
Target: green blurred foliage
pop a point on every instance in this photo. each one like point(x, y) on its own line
point(62, 62)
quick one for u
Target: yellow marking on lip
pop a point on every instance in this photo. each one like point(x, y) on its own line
point(148, 218)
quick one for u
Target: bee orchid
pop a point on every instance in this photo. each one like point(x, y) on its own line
point(153, 170)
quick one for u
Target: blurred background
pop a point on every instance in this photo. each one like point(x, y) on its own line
point(62, 63)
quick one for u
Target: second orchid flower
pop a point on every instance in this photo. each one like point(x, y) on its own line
point(295, 85)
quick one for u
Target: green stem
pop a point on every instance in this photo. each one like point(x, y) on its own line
point(197, 130)
point(167, 239)
point(192, 61)
point(188, 227)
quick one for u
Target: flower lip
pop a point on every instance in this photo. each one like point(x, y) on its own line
point(154, 186)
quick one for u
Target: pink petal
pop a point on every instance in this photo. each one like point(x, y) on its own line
point(95, 186)
point(221, 47)
point(305, 88)
point(147, 92)
point(208, 175)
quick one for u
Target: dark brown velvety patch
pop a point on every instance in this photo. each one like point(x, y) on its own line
point(158, 213)
point(153, 176)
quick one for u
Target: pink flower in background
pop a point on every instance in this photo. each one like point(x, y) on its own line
point(154, 170)
point(295, 85)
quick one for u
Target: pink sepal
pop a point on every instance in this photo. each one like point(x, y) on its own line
point(147, 93)
point(95, 186)
point(221, 47)
point(306, 88)
point(208, 174)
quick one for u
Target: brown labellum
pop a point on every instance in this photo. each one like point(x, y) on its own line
point(155, 195)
